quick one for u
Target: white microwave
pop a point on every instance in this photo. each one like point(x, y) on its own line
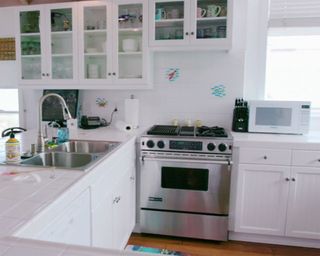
point(269, 116)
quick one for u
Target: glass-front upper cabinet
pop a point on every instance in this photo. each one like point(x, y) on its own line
point(29, 39)
point(62, 44)
point(46, 42)
point(131, 41)
point(95, 41)
point(191, 23)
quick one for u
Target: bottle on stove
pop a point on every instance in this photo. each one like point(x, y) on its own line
point(240, 116)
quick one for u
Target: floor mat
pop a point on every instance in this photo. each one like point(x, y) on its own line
point(138, 248)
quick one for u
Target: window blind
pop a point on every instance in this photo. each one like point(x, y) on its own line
point(294, 13)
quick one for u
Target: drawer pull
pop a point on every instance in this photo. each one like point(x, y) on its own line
point(287, 179)
point(293, 179)
point(265, 157)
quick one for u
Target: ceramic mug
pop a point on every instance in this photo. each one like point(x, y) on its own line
point(201, 12)
point(213, 10)
point(161, 14)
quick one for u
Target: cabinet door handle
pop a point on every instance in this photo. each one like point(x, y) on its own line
point(287, 179)
point(47, 74)
point(318, 160)
point(109, 74)
point(265, 157)
point(114, 73)
point(293, 179)
point(43, 74)
point(192, 33)
point(187, 33)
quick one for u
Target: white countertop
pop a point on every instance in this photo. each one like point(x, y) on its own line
point(26, 191)
point(309, 141)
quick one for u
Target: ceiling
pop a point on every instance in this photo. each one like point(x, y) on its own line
point(4, 3)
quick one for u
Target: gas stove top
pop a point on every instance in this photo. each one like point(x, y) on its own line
point(203, 131)
point(184, 139)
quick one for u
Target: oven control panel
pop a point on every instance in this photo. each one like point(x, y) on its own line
point(217, 145)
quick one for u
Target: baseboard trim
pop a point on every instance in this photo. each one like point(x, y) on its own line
point(267, 239)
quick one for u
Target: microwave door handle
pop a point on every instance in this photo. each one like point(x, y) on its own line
point(179, 160)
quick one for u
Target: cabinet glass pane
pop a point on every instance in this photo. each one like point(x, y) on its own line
point(130, 52)
point(61, 20)
point(31, 67)
point(169, 20)
point(29, 22)
point(211, 19)
point(62, 67)
point(30, 45)
point(95, 42)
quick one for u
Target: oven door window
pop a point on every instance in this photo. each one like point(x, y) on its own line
point(185, 178)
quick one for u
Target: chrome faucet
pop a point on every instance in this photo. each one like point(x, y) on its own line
point(66, 115)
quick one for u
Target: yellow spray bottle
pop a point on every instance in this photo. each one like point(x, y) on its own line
point(12, 149)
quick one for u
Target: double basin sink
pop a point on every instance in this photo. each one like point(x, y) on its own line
point(74, 154)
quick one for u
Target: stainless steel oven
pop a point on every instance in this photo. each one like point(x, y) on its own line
point(184, 187)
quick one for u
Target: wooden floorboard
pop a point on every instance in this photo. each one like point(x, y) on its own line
point(197, 247)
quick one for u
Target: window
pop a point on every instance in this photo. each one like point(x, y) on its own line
point(293, 67)
point(9, 108)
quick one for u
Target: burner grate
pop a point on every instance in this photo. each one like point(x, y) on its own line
point(215, 131)
point(170, 130)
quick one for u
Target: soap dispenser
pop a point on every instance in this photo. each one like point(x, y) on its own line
point(12, 149)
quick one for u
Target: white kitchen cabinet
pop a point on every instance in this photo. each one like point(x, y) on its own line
point(262, 199)
point(113, 201)
point(114, 217)
point(303, 204)
point(46, 44)
point(73, 225)
point(124, 209)
point(200, 24)
point(113, 43)
point(276, 195)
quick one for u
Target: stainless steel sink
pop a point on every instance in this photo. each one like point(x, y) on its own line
point(61, 159)
point(86, 146)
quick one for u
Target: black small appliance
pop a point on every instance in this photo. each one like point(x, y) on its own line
point(240, 116)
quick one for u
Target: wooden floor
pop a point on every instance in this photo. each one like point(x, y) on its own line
point(210, 248)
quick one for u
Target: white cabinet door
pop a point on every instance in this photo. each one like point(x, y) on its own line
point(131, 55)
point(102, 223)
point(193, 23)
point(113, 43)
point(73, 226)
point(123, 210)
point(46, 44)
point(95, 42)
point(304, 205)
point(262, 199)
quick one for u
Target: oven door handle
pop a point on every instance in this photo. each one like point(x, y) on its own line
point(180, 160)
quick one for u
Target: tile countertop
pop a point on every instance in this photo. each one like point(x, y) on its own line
point(309, 141)
point(26, 191)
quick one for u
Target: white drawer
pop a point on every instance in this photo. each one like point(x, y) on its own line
point(306, 158)
point(265, 156)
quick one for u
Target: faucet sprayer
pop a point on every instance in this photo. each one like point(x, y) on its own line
point(66, 116)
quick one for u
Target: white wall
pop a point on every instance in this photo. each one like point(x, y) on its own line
point(8, 69)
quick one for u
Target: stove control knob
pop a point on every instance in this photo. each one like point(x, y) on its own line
point(222, 147)
point(160, 144)
point(211, 146)
point(150, 144)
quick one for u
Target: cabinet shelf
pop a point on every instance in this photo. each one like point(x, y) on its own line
point(95, 54)
point(62, 33)
point(61, 55)
point(211, 18)
point(129, 53)
point(31, 56)
point(95, 31)
point(169, 20)
point(29, 34)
